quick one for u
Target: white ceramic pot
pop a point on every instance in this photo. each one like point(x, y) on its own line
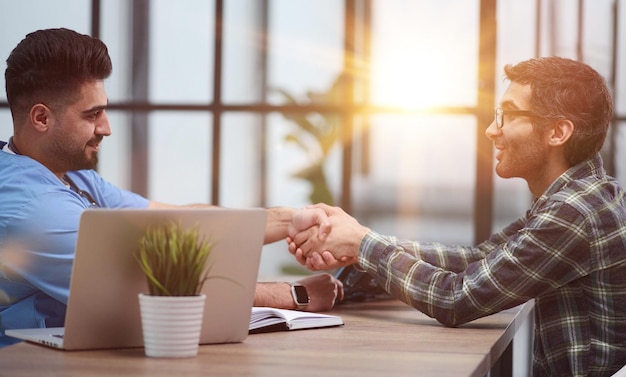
point(171, 324)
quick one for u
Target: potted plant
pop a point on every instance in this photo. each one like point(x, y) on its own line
point(174, 261)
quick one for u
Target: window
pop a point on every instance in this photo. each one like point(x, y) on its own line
point(211, 100)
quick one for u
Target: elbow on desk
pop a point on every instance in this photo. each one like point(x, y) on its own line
point(451, 317)
point(450, 322)
point(454, 317)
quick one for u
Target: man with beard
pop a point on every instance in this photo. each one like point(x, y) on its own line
point(568, 252)
point(55, 89)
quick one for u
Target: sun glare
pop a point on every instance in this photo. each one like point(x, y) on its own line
point(416, 83)
point(409, 84)
point(424, 55)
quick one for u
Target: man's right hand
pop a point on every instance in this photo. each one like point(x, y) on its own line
point(340, 247)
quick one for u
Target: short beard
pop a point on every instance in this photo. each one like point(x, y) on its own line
point(69, 160)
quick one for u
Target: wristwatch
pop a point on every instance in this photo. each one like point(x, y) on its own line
point(300, 295)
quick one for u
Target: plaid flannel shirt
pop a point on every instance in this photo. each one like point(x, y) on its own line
point(568, 253)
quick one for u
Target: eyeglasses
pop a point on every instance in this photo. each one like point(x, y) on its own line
point(500, 115)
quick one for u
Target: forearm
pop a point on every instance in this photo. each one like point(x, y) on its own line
point(274, 294)
point(278, 220)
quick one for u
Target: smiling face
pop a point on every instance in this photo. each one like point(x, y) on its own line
point(521, 150)
point(76, 130)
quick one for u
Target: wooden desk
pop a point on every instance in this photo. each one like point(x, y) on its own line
point(385, 338)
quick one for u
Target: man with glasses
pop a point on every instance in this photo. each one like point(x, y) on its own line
point(55, 89)
point(568, 252)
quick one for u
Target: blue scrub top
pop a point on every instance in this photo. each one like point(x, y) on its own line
point(39, 219)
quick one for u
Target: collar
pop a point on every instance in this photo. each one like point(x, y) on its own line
point(9, 147)
point(593, 166)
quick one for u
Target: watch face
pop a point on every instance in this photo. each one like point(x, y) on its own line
point(302, 296)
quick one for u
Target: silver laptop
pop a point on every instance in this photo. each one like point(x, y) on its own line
point(103, 307)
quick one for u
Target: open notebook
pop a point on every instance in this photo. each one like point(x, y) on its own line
point(266, 319)
point(103, 307)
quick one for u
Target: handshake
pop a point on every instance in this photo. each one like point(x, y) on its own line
point(322, 237)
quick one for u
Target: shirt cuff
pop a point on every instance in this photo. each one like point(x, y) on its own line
point(373, 248)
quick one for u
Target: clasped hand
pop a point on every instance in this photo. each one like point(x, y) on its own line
point(322, 237)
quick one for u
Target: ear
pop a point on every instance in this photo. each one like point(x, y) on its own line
point(41, 117)
point(560, 132)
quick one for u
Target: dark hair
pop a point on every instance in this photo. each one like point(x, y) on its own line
point(48, 66)
point(566, 89)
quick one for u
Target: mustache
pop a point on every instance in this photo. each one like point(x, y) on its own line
point(96, 140)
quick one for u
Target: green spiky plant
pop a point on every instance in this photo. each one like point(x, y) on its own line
point(174, 260)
